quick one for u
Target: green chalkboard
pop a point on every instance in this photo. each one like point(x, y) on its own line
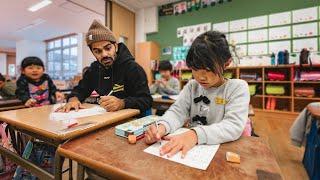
point(228, 11)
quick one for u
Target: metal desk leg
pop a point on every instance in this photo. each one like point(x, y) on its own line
point(80, 172)
point(58, 167)
point(70, 169)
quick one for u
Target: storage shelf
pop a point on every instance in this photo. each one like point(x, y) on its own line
point(293, 103)
point(278, 82)
point(254, 81)
point(279, 97)
point(279, 66)
point(307, 82)
point(276, 111)
point(249, 67)
point(307, 98)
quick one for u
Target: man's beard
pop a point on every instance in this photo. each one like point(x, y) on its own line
point(107, 61)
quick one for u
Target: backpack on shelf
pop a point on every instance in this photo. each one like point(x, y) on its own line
point(304, 92)
point(286, 57)
point(309, 76)
point(252, 89)
point(249, 76)
point(228, 75)
point(273, 59)
point(275, 89)
point(283, 57)
point(276, 76)
point(305, 57)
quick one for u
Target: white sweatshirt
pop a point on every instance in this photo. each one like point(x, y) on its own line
point(226, 114)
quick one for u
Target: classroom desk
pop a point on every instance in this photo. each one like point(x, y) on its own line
point(10, 104)
point(161, 101)
point(114, 158)
point(36, 122)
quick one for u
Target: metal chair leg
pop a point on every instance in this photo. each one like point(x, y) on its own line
point(70, 169)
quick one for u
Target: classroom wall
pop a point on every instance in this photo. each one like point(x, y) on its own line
point(140, 32)
point(11, 59)
point(237, 9)
point(85, 57)
point(25, 48)
point(123, 24)
point(7, 44)
point(3, 63)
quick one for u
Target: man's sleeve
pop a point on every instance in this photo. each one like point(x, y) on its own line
point(83, 89)
point(139, 94)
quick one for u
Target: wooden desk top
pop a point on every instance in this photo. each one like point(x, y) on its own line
point(163, 101)
point(112, 156)
point(37, 120)
point(314, 109)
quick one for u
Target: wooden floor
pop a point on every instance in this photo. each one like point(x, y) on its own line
point(274, 128)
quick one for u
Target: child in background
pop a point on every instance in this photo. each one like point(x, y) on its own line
point(7, 88)
point(34, 87)
point(215, 108)
point(167, 85)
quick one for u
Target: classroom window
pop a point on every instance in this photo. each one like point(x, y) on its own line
point(62, 55)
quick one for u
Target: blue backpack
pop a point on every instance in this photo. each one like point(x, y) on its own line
point(280, 57)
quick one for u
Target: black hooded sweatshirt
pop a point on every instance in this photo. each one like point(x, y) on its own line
point(125, 77)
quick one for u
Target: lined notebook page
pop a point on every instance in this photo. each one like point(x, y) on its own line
point(198, 157)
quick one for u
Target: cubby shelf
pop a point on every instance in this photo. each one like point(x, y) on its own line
point(286, 101)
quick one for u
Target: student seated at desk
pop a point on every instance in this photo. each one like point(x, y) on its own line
point(167, 85)
point(34, 87)
point(215, 108)
point(120, 82)
point(7, 88)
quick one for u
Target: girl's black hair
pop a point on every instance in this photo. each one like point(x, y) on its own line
point(209, 51)
point(31, 60)
point(165, 66)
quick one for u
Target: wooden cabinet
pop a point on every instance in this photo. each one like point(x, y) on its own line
point(145, 52)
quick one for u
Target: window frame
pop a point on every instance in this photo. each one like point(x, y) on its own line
point(62, 73)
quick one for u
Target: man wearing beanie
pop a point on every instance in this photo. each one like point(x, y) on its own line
point(115, 72)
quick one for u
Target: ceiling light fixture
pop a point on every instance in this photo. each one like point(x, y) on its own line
point(39, 5)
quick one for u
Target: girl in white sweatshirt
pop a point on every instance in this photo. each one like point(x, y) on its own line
point(216, 108)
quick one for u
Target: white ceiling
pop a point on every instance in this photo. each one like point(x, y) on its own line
point(59, 18)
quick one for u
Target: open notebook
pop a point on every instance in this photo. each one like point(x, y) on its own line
point(198, 157)
point(58, 116)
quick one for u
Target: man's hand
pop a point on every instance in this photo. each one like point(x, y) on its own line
point(73, 103)
point(111, 103)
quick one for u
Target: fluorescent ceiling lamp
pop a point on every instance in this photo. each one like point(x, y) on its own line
point(39, 5)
